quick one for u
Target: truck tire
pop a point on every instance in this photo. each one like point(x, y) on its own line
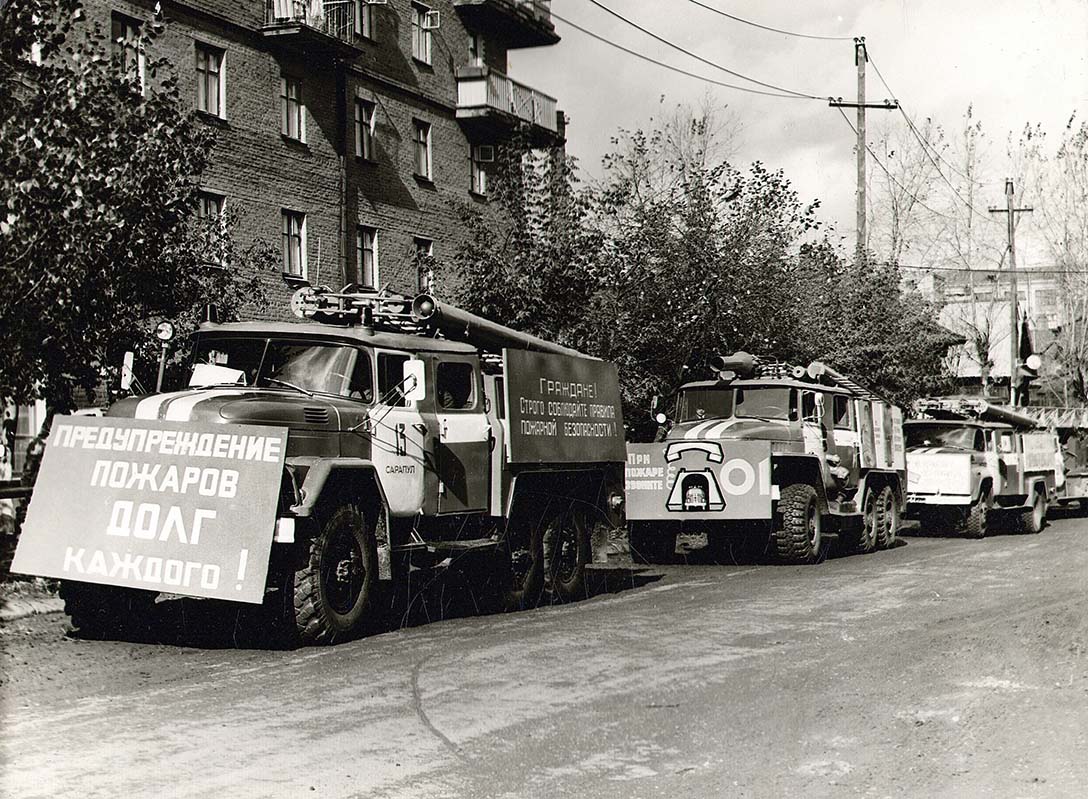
point(103, 611)
point(567, 552)
point(798, 531)
point(651, 542)
point(862, 540)
point(973, 522)
point(334, 590)
point(523, 583)
point(887, 528)
point(1033, 519)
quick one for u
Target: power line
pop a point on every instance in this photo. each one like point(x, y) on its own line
point(698, 57)
point(925, 151)
point(769, 28)
point(1029, 271)
point(671, 68)
point(891, 177)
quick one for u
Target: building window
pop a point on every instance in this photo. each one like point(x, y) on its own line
point(480, 156)
point(364, 129)
point(364, 19)
point(366, 252)
point(294, 243)
point(210, 210)
point(421, 33)
point(294, 111)
point(209, 80)
point(125, 35)
point(422, 137)
point(424, 263)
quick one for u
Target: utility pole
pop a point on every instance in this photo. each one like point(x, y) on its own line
point(1014, 317)
point(860, 58)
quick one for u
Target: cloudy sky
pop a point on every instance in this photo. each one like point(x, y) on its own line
point(1016, 61)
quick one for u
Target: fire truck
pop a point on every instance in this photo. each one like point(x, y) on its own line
point(969, 459)
point(311, 466)
point(773, 458)
point(1071, 426)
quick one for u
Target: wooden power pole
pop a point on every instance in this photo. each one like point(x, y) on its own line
point(1014, 317)
point(860, 58)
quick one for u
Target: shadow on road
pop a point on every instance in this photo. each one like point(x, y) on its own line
point(430, 596)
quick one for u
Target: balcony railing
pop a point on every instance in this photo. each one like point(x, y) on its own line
point(334, 18)
point(523, 23)
point(491, 89)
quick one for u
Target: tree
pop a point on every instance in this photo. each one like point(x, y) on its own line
point(99, 236)
point(675, 256)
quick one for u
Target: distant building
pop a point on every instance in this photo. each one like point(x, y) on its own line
point(348, 130)
point(976, 306)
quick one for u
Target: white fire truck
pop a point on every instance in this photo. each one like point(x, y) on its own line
point(310, 466)
point(770, 457)
point(968, 460)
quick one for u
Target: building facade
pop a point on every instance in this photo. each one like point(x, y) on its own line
point(348, 132)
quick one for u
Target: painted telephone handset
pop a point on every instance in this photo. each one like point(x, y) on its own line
point(713, 450)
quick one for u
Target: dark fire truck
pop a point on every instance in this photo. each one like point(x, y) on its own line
point(416, 434)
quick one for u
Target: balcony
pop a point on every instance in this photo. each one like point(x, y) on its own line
point(490, 105)
point(520, 23)
point(313, 26)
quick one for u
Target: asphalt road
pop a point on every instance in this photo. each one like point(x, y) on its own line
point(943, 667)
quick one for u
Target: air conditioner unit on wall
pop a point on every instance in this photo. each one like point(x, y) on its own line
point(485, 154)
point(431, 21)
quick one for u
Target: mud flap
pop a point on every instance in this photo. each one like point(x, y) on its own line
point(385, 551)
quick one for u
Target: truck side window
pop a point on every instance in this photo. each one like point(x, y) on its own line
point(808, 406)
point(455, 384)
point(980, 441)
point(390, 376)
point(843, 417)
point(361, 386)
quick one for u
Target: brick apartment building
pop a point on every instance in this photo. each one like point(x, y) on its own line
point(347, 131)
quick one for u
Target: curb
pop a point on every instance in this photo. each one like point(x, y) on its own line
point(15, 608)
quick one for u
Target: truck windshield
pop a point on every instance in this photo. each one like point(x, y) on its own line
point(920, 435)
point(317, 367)
point(725, 403)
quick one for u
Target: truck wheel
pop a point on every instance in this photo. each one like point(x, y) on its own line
point(101, 611)
point(524, 581)
point(863, 540)
point(973, 523)
point(798, 532)
point(334, 591)
point(567, 551)
point(887, 528)
point(1033, 519)
point(650, 542)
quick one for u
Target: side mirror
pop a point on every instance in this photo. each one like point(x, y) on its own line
point(126, 371)
point(414, 383)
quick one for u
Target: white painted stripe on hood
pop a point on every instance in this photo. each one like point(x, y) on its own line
point(697, 431)
point(180, 410)
point(149, 408)
point(721, 427)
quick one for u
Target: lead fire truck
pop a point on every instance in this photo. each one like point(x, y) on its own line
point(969, 460)
point(310, 466)
point(770, 457)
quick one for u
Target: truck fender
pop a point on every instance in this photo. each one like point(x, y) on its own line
point(986, 484)
point(799, 469)
point(349, 478)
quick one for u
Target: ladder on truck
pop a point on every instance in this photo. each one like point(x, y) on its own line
point(972, 409)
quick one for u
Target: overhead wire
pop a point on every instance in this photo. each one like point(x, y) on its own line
point(679, 70)
point(887, 172)
point(926, 149)
point(698, 57)
point(768, 27)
